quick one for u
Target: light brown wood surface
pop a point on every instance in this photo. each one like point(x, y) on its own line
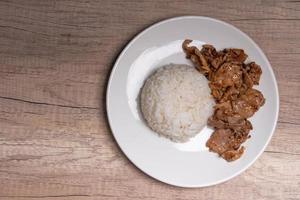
point(55, 59)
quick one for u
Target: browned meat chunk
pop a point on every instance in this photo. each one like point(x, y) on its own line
point(248, 82)
point(225, 117)
point(218, 61)
point(254, 72)
point(237, 55)
point(230, 94)
point(197, 58)
point(224, 81)
point(248, 103)
point(209, 52)
point(233, 155)
point(188, 50)
point(229, 74)
point(217, 123)
point(254, 98)
point(221, 140)
point(224, 142)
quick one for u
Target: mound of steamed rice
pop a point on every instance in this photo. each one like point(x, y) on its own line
point(176, 102)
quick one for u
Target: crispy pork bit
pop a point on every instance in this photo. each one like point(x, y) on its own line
point(228, 75)
point(232, 155)
point(221, 141)
point(254, 72)
point(235, 55)
point(248, 103)
point(231, 82)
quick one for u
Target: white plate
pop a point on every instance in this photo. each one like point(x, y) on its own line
point(189, 164)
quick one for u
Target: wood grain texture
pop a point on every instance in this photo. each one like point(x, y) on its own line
point(56, 57)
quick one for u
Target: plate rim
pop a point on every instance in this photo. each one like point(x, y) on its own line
point(153, 25)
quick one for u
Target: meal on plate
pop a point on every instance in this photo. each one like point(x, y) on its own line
point(177, 101)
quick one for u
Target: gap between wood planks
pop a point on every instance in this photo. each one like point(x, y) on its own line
point(48, 104)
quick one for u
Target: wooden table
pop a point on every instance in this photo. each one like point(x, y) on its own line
point(56, 56)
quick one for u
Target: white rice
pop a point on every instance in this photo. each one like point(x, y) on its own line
point(176, 102)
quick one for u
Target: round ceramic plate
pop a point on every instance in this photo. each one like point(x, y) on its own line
point(182, 164)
